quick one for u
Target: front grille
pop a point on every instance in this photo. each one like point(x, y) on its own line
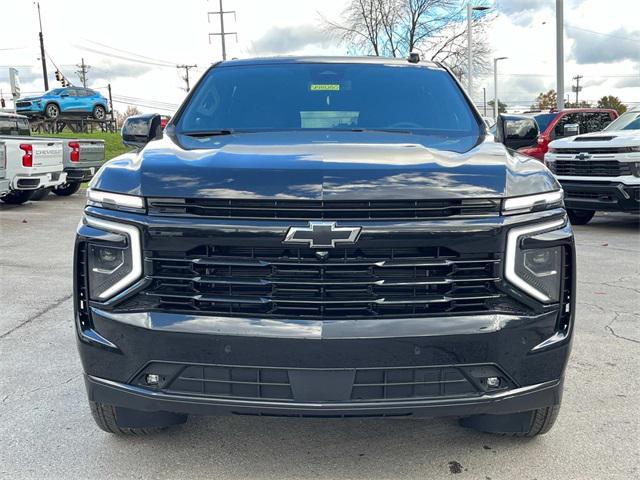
point(23, 104)
point(324, 209)
point(426, 382)
point(604, 168)
point(591, 151)
point(229, 381)
point(360, 384)
point(300, 283)
point(590, 195)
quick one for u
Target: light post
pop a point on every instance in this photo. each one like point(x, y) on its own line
point(470, 10)
point(484, 100)
point(495, 86)
point(559, 55)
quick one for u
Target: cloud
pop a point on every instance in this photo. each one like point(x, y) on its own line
point(630, 82)
point(110, 71)
point(522, 12)
point(27, 75)
point(522, 90)
point(282, 40)
point(514, 7)
point(617, 45)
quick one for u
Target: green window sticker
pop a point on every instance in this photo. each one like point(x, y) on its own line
point(325, 87)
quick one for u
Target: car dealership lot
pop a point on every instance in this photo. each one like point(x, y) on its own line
point(46, 430)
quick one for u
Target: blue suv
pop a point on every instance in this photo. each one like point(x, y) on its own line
point(70, 100)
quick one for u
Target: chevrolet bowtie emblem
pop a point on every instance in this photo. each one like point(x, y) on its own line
point(322, 235)
point(583, 156)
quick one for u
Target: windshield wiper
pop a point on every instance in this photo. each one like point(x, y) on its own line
point(385, 130)
point(209, 133)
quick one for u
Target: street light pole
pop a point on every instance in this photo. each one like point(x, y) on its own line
point(559, 54)
point(484, 100)
point(495, 86)
point(470, 10)
point(469, 42)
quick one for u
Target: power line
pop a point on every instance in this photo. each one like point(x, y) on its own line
point(168, 63)
point(634, 40)
point(122, 57)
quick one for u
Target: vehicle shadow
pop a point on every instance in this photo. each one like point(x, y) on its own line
point(613, 221)
point(250, 447)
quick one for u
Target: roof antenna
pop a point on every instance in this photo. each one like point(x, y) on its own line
point(414, 57)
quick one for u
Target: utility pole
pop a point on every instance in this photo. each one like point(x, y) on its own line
point(560, 54)
point(186, 74)
point(222, 33)
point(577, 87)
point(82, 72)
point(484, 100)
point(110, 101)
point(42, 55)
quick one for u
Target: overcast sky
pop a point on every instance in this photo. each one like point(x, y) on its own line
point(135, 45)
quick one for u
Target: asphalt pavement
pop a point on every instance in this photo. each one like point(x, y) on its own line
point(46, 430)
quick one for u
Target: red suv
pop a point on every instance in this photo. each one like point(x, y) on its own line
point(552, 124)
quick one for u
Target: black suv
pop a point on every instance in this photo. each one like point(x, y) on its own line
point(324, 237)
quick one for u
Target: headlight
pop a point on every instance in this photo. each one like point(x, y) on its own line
point(118, 201)
point(536, 271)
point(532, 203)
point(114, 262)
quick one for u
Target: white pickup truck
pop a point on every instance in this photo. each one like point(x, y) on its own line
point(30, 163)
point(4, 181)
point(599, 171)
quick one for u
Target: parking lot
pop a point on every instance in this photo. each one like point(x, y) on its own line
point(47, 431)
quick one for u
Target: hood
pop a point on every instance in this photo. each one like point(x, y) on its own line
point(30, 99)
point(324, 166)
point(605, 138)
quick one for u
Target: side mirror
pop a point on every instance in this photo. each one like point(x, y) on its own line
point(64, 95)
point(515, 131)
point(571, 129)
point(139, 130)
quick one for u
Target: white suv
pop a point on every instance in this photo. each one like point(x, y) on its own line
point(599, 171)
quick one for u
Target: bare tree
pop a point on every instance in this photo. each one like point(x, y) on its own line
point(435, 28)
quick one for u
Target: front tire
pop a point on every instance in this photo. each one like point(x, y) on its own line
point(111, 420)
point(522, 424)
point(67, 189)
point(580, 217)
point(17, 197)
point(52, 111)
point(99, 112)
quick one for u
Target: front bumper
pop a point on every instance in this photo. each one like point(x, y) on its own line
point(136, 398)
point(601, 196)
point(413, 362)
point(424, 365)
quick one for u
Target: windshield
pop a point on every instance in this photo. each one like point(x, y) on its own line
point(14, 126)
point(55, 91)
point(543, 120)
point(330, 96)
point(627, 121)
